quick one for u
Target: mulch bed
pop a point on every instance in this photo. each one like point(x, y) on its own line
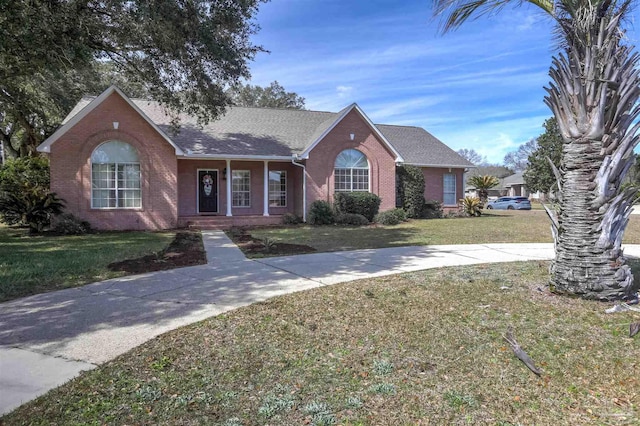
point(253, 246)
point(186, 249)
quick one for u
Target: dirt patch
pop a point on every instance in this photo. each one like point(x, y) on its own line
point(254, 247)
point(186, 249)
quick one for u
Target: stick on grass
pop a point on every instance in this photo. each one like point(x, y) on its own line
point(522, 355)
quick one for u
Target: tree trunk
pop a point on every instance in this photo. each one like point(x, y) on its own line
point(594, 96)
point(589, 261)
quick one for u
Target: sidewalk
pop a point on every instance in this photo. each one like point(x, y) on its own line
point(49, 338)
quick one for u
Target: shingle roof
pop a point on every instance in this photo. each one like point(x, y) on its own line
point(281, 132)
point(419, 147)
point(514, 179)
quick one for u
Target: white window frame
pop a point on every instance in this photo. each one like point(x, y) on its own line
point(350, 175)
point(278, 192)
point(234, 191)
point(445, 192)
point(119, 191)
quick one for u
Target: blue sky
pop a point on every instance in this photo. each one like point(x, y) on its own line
point(480, 87)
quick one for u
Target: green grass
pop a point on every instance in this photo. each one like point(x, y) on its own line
point(418, 348)
point(495, 227)
point(36, 264)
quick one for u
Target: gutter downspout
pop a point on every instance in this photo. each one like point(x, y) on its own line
point(304, 186)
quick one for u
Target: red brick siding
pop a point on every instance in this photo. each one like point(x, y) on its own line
point(382, 175)
point(434, 183)
point(71, 168)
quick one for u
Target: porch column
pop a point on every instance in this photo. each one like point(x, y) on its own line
point(265, 203)
point(229, 188)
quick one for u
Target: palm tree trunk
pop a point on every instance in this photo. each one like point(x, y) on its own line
point(589, 261)
point(594, 95)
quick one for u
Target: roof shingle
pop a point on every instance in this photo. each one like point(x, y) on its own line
point(281, 132)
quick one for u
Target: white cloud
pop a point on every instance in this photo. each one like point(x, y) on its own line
point(344, 91)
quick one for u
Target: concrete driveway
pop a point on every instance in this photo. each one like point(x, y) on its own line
point(47, 339)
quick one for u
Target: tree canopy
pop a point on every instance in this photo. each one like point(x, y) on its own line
point(183, 54)
point(472, 156)
point(272, 96)
point(518, 160)
point(539, 175)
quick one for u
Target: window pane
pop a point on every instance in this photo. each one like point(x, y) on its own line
point(115, 176)
point(343, 180)
point(350, 158)
point(241, 188)
point(114, 152)
point(449, 189)
point(278, 188)
point(351, 171)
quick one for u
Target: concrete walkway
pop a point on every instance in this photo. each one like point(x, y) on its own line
point(47, 339)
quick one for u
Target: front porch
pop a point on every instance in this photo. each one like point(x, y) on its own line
point(221, 193)
point(227, 222)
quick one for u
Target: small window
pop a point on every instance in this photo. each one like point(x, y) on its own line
point(449, 189)
point(277, 189)
point(351, 171)
point(115, 176)
point(241, 188)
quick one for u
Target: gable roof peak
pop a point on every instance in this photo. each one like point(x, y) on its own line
point(73, 119)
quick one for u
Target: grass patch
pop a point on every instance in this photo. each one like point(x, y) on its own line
point(427, 349)
point(37, 264)
point(495, 227)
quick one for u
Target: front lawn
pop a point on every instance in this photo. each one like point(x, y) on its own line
point(36, 264)
point(419, 348)
point(494, 227)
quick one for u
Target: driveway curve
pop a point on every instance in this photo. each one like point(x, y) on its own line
point(47, 339)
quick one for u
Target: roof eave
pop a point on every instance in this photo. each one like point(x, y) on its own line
point(444, 166)
point(188, 156)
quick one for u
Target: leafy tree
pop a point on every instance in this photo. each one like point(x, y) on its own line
point(594, 97)
point(184, 54)
point(472, 156)
point(539, 175)
point(483, 184)
point(272, 96)
point(518, 160)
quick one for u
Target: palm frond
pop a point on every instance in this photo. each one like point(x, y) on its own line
point(457, 12)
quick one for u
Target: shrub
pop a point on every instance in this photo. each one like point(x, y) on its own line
point(471, 206)
point(410, 190)
point(291, 219)
point(33, 207)
point(432, 210)
point(351, 219)
point(25, 198)
point(400, 214)
point(321, 213)
point(387, 218)
point(68, 224)
point(363, 203)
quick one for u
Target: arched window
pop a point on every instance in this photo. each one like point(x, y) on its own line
point(115, 176)
point(351, 171)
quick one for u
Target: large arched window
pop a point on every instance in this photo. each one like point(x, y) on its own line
point(115, 176)
point(351, 171)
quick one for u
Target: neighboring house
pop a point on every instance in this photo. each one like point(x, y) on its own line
point(511, 186)
point(120, 164)
point(514, 186)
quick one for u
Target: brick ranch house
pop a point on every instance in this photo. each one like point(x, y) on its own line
point(119, 164)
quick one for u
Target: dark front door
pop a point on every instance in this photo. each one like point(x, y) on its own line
point(207, 191)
